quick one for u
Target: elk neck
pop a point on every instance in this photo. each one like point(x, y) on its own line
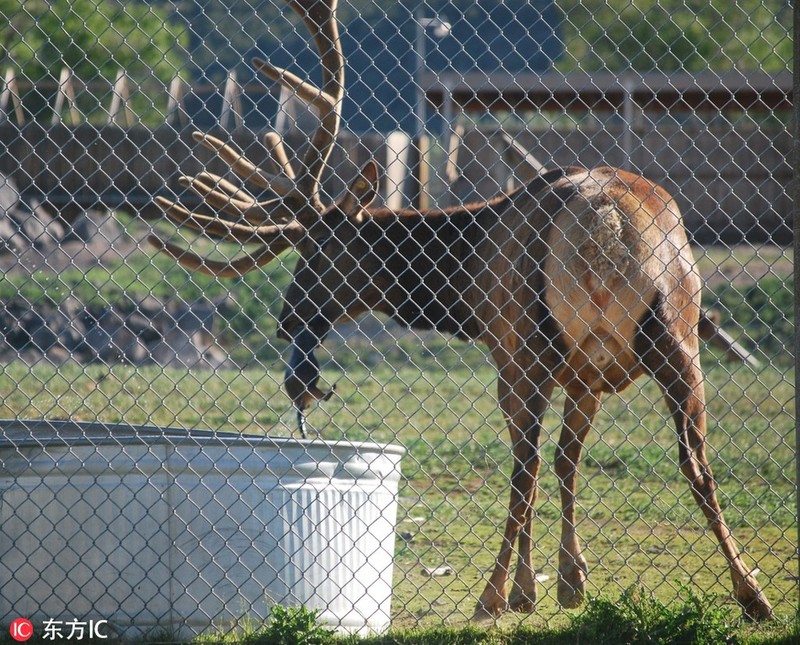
point(429, 266)
point(426, 263)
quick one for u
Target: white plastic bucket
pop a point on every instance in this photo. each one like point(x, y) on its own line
point(186, 531)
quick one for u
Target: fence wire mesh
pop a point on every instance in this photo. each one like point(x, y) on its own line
point(152, 471)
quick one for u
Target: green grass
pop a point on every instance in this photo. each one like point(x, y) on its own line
point(764, 311)
point(638, 521)
point(635, 618)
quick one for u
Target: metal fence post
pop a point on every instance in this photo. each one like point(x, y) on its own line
point(796, 187)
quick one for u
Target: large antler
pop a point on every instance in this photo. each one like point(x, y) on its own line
point(278, 223)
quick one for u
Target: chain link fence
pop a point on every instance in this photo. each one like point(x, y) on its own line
point(152, 470)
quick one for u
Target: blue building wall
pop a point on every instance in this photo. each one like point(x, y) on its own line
point(486, 35)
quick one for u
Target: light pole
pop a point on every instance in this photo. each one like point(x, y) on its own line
point(441, 29)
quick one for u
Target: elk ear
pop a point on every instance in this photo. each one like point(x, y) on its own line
point(363, 189)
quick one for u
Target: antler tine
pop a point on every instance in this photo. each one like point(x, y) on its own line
point(226, 230)
point(225, 186)
point(277, 152)
point(218, 200)
point(319, 17)
point(233, 269)
point(244, 167)
point(322, 16)
point(253, 212)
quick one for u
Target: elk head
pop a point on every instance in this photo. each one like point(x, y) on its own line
point(297, 217)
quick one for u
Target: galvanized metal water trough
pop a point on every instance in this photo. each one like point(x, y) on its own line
point(185, 531)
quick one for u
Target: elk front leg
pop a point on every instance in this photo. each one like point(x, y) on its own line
point(579, 411)
point(523, 404)
point(675, 365)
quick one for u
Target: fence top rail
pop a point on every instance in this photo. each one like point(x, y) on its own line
point(732, 89)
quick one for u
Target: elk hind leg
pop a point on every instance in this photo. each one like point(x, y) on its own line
point(523, 592)
point(579, 411)
point(523, 405)
point(675, 365)
point(494, 599)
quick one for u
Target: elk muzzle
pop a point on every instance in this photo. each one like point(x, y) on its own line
point(302, 375)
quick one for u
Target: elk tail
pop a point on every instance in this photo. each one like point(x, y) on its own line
point(711, 332)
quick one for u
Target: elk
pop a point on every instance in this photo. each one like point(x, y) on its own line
point(581, 279)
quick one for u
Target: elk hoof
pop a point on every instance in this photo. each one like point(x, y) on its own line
point(489, 611)
point(571, 586)
point(755, 605)
point(568, 596)
point(522, 601)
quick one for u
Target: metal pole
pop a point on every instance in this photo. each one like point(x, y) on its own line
point(421, 138)
point(628, 107)
point(423, 141)
point(419, 48)
point(796, 213)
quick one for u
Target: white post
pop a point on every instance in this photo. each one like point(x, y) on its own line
point(11, 94)
point(442, 28)
point(398, 144)
point(65, 97)
point(120, 113)
point(232, 103)
point(175, 109)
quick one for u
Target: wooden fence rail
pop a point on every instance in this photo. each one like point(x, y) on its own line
point(732, 182)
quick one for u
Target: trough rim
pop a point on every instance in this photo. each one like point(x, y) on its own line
point(34, 432)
